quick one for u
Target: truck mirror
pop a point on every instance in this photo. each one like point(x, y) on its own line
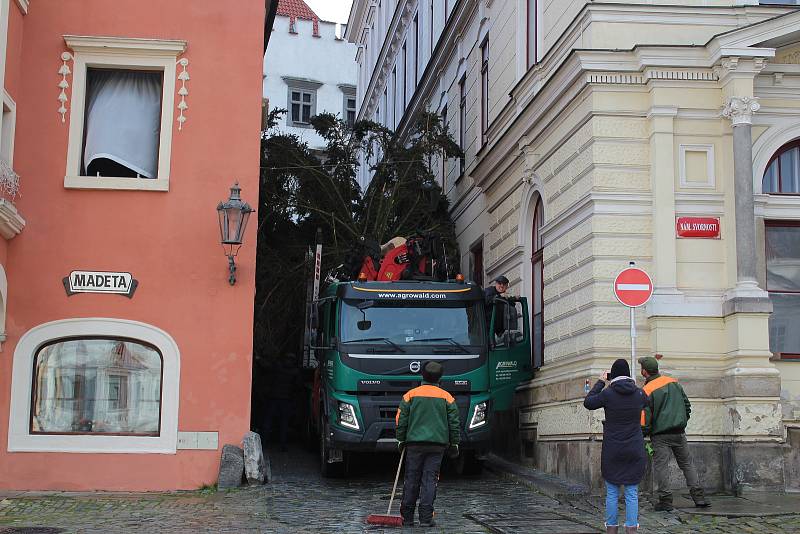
point(365, 304)
point(364, 325)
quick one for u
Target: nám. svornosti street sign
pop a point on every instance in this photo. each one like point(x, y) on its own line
point(115, 283)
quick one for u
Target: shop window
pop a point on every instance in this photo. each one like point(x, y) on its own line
point(122, 107)
point(96, 386)
point(537, 304)
point(783, 285)
point(783, 172)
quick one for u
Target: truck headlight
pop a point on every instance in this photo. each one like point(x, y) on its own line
point(479, 415)
point(347, 415)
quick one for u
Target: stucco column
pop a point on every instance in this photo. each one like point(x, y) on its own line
point(740, 112)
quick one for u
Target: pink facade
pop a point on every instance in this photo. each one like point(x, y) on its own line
point(169, 240)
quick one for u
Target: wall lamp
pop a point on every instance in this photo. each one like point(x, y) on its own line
point(233, 216)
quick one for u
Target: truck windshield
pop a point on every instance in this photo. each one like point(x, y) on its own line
point(407, 323)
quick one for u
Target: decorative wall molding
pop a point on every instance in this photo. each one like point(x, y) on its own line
point(64, 71)
point(640, 78)
point(23, 6)
point(739, 109)
point(9, 181)
point(183, 92)
point(11, 222)
point(710, 182)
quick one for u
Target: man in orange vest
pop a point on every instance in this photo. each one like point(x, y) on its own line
point(664, 419)
point(427, 426)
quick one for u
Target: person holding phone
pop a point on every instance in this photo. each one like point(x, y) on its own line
point(623, 458)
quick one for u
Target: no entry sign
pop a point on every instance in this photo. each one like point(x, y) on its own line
point(633, 287)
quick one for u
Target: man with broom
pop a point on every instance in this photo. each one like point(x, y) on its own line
point(427, 426)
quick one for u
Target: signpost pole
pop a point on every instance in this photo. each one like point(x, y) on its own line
point(633, 343)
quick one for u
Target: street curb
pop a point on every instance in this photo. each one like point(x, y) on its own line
point(550, 485)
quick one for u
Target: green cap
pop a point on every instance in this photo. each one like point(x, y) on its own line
point(649, 364)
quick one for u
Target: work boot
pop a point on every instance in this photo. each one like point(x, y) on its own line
point(663, 506)
point(631, 530)
point(612, 529)
point(699, 497)
point(427, 522)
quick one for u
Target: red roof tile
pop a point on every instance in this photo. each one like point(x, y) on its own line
point(298, 9)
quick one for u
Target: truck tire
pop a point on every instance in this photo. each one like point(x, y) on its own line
point(468, 464)
point(329, 470)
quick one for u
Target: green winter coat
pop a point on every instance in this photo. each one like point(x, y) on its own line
point(428, 414)
point(668, 408)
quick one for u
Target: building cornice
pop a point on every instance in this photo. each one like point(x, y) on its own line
point(90, 43)
point(640, 65)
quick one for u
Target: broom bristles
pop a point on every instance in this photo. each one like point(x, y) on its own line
point(386, 520)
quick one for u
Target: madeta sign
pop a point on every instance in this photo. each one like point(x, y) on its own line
point(100, 282)
point(698, 227)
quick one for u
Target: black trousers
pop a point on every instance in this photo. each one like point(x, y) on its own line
point(422, 476)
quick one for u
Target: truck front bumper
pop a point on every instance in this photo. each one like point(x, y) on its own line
point(380, 437)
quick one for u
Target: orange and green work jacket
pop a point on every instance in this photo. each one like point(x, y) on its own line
point(428, 415)
point(668, 408)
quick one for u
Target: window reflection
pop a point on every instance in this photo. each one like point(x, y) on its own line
point(783, 284)
point(97, 386)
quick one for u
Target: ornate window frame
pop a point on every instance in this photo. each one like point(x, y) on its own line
point(20, 439)
point(123, 53)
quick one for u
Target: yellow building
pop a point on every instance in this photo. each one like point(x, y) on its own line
point(591, 130)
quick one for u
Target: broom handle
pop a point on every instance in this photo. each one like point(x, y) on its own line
point(396, 478)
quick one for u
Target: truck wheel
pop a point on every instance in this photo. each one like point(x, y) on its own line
point(468, 464)
point(329, 470)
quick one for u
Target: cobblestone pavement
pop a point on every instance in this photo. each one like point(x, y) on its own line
point(300, 501)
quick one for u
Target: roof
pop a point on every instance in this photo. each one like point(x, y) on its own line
point(298, 9)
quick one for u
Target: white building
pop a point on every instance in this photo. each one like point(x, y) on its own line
point(311, 69)
point(589, 129)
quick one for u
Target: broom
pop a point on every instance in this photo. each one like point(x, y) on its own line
point(389, 520)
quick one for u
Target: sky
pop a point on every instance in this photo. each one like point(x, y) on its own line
point(332, 10)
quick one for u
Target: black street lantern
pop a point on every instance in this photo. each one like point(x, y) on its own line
point(233, 216)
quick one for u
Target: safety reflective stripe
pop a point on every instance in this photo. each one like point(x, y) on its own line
point(653, 385)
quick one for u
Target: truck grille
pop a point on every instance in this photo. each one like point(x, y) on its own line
point(387, 412)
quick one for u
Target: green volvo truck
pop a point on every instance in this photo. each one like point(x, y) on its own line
point(370, 340)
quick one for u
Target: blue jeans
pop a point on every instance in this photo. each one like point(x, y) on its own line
point(631, 504)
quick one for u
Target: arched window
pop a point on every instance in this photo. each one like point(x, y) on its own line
point(783, 172)
point(537, 292)
point(96, 386)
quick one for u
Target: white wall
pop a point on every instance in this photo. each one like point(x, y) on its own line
point(324, 59)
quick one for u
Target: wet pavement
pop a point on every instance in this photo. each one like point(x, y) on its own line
point(299, 500)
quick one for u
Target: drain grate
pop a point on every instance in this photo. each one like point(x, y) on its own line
point(532, 523)
point(30, 530)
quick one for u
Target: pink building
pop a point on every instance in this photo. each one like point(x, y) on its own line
point(126, 353)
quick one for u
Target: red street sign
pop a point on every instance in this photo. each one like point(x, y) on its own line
point(700, 227)
point(633, 287)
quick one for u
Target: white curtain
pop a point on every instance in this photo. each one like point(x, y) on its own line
point(123, 119)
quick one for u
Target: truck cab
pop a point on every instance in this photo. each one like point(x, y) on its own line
point(373, 339)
